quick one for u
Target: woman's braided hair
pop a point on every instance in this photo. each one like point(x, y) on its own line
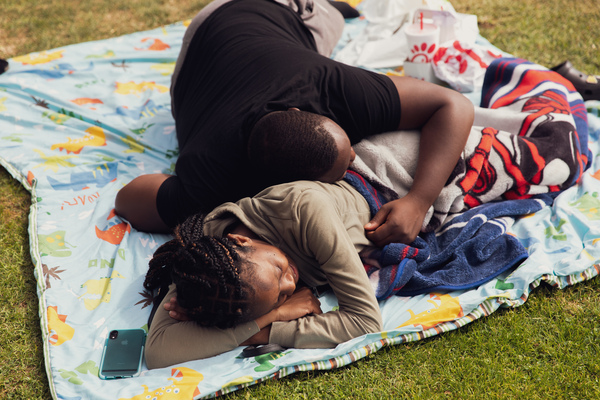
point(206, 271)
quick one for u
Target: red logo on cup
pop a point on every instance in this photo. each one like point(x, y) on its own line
point(423, 54)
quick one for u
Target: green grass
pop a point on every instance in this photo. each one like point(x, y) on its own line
point(545, 32)
point(547, 349)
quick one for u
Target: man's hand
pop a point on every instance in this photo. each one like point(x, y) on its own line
point(398, 221)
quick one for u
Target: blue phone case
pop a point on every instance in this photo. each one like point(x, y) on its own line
point(123, 353)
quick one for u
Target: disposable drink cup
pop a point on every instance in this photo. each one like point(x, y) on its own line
point(423, 41)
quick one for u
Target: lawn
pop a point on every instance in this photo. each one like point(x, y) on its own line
point(547, 349)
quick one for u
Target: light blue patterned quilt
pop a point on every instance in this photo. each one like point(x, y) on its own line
point(79, 122)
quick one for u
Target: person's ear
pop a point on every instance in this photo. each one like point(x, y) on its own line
point(240, 240)
point(293, 109)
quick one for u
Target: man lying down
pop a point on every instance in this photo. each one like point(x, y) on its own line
point(241, 273)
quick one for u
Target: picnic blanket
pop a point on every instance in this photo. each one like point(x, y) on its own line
point(79, 122)
point(531, 138)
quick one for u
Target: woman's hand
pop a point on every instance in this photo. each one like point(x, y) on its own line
point(175, 310)
point(398, 221)
point(299, 304)
point(303, 302)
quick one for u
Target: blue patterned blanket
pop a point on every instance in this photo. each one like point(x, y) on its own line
point(528, 143)
point(79, 122)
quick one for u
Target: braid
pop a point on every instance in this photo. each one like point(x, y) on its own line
point(206, 270)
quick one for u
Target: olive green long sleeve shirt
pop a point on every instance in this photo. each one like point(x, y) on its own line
point(320, 227)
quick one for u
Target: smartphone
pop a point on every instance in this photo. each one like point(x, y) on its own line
point(122, 354)
point(3, 66)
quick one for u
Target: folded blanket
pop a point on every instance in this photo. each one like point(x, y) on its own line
point(531, 142)
point(531, 138)
point(470, 249)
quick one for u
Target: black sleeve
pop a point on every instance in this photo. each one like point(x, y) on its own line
point(173, 204)
point(367, 103)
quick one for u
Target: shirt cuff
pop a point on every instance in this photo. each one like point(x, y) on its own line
point(283, 333)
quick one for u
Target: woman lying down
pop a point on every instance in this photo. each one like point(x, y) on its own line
point(237, 274)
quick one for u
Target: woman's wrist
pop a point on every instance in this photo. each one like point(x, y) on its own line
point(267, 319)
point(261, 337)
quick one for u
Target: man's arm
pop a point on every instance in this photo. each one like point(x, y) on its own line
point(136, 202)
point(444, 117)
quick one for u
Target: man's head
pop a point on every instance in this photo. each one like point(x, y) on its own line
point(292, 145)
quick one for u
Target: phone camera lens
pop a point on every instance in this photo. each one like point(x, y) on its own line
point(113, 334)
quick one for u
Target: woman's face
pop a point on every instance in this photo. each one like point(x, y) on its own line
point(274, 276)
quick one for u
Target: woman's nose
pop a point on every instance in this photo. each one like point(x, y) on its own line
point(289, 283)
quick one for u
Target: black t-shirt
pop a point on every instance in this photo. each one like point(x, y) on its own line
point(251, 57)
